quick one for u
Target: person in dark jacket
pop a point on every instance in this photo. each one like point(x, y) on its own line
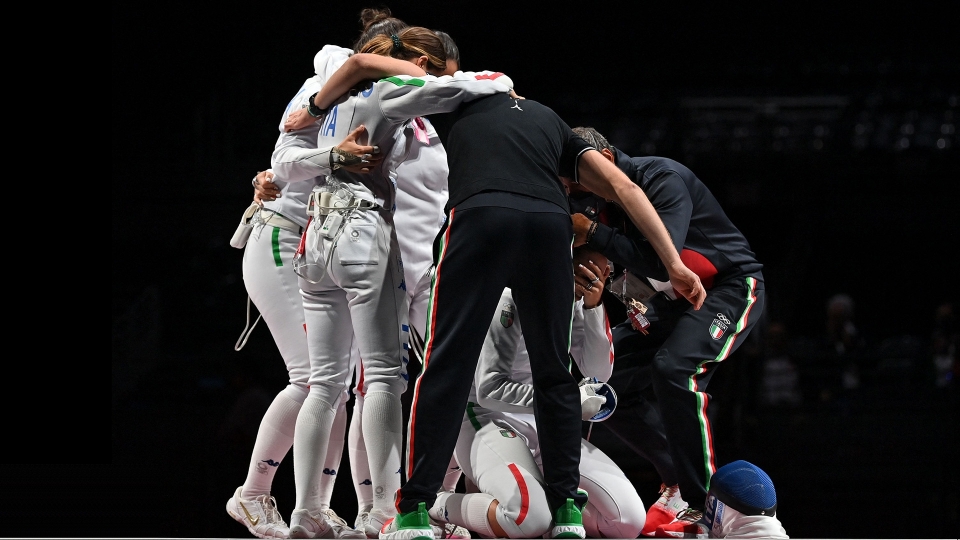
point(664, 344)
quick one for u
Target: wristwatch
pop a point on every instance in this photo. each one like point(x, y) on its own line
point(313, 110)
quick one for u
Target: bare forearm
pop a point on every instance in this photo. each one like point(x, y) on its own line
point(358, 68)
point(604, 178)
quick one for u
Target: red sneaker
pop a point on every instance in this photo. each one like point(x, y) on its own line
point(689, 524)
point(665, 510)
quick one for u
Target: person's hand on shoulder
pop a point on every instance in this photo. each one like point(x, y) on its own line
point(297, 120)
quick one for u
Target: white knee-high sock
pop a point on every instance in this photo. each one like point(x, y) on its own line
point(310, 448)
point(274, 439)
point(382, 425)
point(359, 466)
point(331, 465)
point(465, 509)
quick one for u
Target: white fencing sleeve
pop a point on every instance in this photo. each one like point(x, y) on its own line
point(591, 342)
point(496, 390)
point(296, 157)
point(403, 97)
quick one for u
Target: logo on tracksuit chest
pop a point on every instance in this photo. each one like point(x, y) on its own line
point(506, 316)
point(719, 326)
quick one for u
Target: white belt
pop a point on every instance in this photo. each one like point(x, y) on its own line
point(269, 217)
point(324, 201)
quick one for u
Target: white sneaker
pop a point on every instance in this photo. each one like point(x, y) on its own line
point(259, 515)
point(370, 523)
point(360, 523)
point(449, 530)
point(340, 527)
point(303, 524)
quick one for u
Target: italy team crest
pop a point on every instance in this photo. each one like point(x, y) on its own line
point(719, 326)
point(506, 316)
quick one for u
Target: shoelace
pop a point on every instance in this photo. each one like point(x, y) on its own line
point(335, 518)
point(449, 530)
point(689, 514)
point(668, 492)
point(361, 519)
point(270, 510)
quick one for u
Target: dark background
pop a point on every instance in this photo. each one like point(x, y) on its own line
point(828, 134)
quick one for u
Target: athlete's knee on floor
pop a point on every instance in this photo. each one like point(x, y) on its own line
point(522, 510)
point(614, 522)
point(614, 509)
point(530, 522)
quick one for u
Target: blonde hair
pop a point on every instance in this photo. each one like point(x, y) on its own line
point(409, 43)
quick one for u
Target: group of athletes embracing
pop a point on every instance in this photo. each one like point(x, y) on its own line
point(413, 212)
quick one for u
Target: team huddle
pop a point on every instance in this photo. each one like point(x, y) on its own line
point(419, 216)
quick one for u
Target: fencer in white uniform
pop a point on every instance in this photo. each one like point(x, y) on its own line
point(352, 283)
point(421, 194)
point(498, 449)
point(269, 234)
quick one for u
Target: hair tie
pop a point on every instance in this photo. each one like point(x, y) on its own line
point(397, 44)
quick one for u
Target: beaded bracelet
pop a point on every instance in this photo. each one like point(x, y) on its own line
point(592, 231)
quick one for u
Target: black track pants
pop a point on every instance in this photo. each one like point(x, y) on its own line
point(678, 359)
point(483, 250)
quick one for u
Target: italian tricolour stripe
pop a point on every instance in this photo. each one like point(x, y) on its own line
point(428, 346)
point(706, 433)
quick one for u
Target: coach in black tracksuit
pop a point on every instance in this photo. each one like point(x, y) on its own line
point(508, 225)
point(684, 345)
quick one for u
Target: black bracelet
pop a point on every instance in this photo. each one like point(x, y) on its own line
point(592, 231)
point(313, 110)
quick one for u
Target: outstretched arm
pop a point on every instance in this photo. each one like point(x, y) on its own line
point(358, 68)
point(361, 67)
point(602, 177)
